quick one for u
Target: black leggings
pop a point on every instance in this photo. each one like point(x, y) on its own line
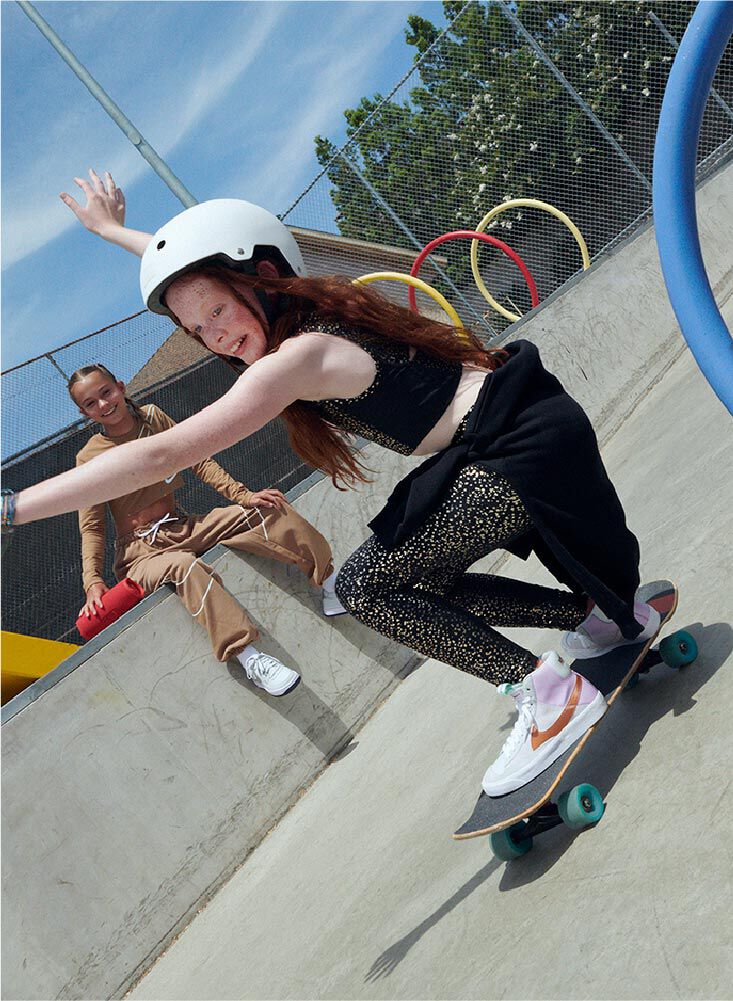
point(421, 595)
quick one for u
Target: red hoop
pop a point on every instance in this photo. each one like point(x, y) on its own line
point(469, 234)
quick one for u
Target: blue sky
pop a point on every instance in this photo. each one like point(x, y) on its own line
point(230, 94)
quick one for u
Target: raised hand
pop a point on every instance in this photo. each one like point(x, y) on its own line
point(105, 207)
point(104, 212)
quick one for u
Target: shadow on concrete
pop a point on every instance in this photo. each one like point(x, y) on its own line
point(660, 692)
point(302, 707)
point(386, 963)
point(290, 580)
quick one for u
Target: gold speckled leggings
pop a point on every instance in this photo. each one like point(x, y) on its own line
point(421, 595)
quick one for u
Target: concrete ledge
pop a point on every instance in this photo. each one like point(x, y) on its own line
point(141, 772)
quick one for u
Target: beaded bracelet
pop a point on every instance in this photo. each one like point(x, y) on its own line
point(8, 516)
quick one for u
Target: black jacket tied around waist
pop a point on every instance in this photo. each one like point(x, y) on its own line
point(527, 428)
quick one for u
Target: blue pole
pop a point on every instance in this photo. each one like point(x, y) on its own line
point(675, 218)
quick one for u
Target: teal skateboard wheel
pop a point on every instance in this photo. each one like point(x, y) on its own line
point(581, 806)
point(678, 649)
point(509, 844)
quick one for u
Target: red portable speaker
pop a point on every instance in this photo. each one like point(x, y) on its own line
point(115, 602)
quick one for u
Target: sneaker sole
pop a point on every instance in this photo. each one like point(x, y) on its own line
point(575, 729)
point(285, 691)
point(277, 695)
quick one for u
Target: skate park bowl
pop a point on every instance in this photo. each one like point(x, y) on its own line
point(141, 774)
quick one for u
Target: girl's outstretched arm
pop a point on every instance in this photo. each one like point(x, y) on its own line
point(266, 388)
point(104, 213)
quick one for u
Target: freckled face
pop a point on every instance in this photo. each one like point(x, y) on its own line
point(208, 308)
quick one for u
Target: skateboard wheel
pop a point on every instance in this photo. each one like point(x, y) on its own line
point(678, 649)
point(581, 806)
point(509, 843)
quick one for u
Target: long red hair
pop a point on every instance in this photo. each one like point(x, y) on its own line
point(334, 298)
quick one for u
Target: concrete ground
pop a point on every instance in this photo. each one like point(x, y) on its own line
point(360, 892)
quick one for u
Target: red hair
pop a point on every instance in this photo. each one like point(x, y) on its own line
point(334, 298)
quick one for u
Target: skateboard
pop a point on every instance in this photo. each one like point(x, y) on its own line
point(512, 820)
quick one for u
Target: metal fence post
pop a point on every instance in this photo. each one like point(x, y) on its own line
point(560, 76)
point(56, 365)
point(143, 147)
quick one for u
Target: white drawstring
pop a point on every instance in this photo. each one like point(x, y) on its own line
point(203, 599)
point(177, 583)
point(152, 530)
point(247, 511)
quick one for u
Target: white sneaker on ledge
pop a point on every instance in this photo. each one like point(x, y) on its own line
point(268, 673)
point(331, 604)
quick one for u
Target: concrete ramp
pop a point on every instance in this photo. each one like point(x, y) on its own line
point(138, 781)
point(141, 773)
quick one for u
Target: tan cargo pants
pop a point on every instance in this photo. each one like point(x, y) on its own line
point(168, 552)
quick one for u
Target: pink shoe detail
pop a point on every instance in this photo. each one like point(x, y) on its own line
point(598, 634)
point(554, 682)
point(555, 708)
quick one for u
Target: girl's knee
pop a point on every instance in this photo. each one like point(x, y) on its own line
point(358, 585)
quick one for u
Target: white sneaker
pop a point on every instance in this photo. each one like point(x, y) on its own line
point(331, 604)
point(268, 673)
point(598, 634)
point(556, 706)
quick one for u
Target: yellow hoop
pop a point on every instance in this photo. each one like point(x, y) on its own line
point(398, 276)
point(516, 203)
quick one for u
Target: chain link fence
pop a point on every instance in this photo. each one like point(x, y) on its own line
point(552, 101)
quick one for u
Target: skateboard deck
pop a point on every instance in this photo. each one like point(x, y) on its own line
point(611, 673)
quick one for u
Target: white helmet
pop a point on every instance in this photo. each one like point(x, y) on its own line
point(223, 229)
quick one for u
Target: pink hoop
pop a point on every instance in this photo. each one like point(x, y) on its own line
point(469, 234)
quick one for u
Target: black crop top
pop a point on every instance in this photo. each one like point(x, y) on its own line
point(406, 400)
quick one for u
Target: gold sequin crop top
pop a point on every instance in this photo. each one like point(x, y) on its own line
point(404, 402)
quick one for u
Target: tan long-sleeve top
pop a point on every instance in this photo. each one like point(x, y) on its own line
point(92, 519)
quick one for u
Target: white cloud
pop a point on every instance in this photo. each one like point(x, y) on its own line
point(33, 216)
point(335, 79)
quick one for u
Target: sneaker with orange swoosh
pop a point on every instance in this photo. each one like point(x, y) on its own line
point(555, 708)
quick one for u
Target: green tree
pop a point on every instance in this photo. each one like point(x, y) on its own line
point(485, 121)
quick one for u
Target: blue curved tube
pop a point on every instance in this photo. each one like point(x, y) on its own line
point(675, 219)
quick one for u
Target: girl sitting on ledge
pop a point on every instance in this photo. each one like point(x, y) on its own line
point(157, 544)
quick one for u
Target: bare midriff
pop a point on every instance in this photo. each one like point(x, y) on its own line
point(441, 435)
point(153, 512)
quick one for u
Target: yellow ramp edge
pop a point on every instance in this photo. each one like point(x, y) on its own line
point(26, 658)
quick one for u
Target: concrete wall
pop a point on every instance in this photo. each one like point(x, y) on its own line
point(135, 785)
